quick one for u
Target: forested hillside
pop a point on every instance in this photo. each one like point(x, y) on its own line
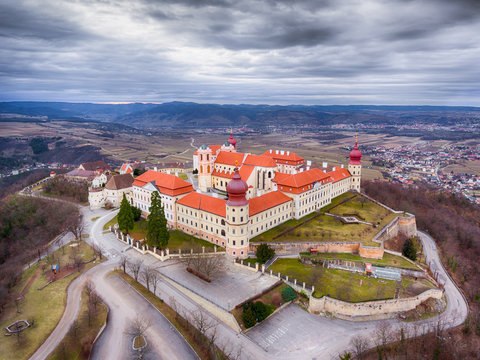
point(26, 225)
point(454, 223)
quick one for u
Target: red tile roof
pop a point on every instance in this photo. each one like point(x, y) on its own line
point(230, 158)
point(204, 202)
point(301, 179)
point(339, 174)
point(167, 184)
point(245, 172)
point(260, 160)
point(267, 201)
point(126, 168)
point(223, 174)
point(288, 157)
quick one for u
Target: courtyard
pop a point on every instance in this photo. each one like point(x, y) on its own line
point(320, 227)
point(230, 287)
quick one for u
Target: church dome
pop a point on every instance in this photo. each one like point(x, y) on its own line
point(237, 190)
point(232, 141)
point(355, 154)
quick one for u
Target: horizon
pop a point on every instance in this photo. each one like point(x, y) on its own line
point(235, 104)
point(272, 52)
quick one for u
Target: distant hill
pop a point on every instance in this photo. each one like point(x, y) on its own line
point(70, 111)
point(193, 115)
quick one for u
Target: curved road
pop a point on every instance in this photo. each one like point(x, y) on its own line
point(124, 304)
point(329, 336)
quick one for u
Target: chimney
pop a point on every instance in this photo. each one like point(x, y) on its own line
point(288, 153)
point(334, 168)
point(325, 171)
point(271, 151)
point(155, 169)
point(309, 163)
point(276, 152)
point(301, 170)
point(282, 152)
point(324, 164)
point(341, 166)
point(308, 168)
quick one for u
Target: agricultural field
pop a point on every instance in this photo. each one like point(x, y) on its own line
point(345, 285)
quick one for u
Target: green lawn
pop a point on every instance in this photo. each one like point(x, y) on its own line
point(112, 222)
point(318, 228)
point(345, 285)
point(366, 210)
point(178, 239)
point(183, 176)
point(388, 259)
point(44, 306)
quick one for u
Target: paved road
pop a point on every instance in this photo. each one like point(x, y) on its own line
point(322, 338)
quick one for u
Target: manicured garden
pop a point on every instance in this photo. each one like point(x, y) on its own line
point(345, 285)
point(318, 227)
point(42, 303)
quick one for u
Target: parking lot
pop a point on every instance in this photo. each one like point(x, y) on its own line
point(228, 289)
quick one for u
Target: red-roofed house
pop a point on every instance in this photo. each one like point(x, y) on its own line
point(170, 187)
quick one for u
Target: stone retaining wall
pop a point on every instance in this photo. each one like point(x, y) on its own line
point(372, 310)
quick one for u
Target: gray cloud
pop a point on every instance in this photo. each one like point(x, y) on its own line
point(331, 51)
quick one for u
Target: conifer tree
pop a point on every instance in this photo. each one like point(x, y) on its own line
point(125, 216)
point(157, 232)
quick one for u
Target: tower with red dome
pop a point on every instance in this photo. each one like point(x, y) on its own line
point(237, 208)
point(355, 166)
point(231, 140)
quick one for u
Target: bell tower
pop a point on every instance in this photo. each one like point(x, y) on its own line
point(237, 217)
point(355, 166)
point(205, 167)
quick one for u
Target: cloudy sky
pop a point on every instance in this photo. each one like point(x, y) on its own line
point(242, 51)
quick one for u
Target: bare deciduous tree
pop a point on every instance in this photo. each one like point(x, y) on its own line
point(97, 250)
point(359, 344)
point(123, 262)
point(73, 332)
point(75, 226)
point(135, 266)
point(139, 325)
point(147, 274)
point(207, 265)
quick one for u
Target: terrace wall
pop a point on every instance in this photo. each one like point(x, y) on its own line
point(293, 248)
point(371, 310)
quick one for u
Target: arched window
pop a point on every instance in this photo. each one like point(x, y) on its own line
point(223, 232)
point(223, 221)
point(269, 174)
